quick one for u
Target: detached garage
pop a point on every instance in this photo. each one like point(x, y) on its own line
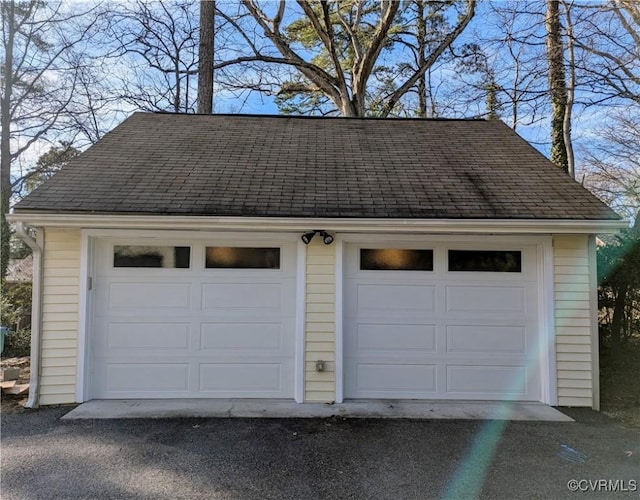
point(313, 259)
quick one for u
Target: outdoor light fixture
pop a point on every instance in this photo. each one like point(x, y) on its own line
point(327, 239)
point(307, 237)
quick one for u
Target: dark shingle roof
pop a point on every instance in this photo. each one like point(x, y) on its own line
point(239, 165)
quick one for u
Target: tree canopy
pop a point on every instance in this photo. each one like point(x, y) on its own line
point(565, 74)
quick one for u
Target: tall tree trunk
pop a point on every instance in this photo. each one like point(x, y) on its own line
point(571, 87)
point(557, 84)
point(205, 62)
point(5, 142)
point(178, 95)
point(421, 28)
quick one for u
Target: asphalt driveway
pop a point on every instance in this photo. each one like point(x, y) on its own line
point(44, 457)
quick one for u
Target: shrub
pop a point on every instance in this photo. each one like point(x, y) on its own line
point(17, 344)
point(15, 306)
point(15, 309)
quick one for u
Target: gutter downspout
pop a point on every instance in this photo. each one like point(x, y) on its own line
point(595, 335)
point(36, 308)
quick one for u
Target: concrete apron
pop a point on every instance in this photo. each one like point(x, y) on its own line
point(280, 408)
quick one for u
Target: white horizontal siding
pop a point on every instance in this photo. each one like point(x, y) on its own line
point(320, 322)
point(573, 320)
point(60, 299)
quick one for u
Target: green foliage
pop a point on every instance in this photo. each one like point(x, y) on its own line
point(17, 344)
point(15, 305)
point(619, 288)
point(5, 237)
point(619, 368)
point(19, 249)
point(493, 101)
point(416, 31)
point(49, 163)
point(298, 96)
point(15, 313)
point(301, 31)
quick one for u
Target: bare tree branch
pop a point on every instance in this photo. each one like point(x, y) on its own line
point(446, 42)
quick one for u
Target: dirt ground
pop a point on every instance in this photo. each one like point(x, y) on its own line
point(629, 417)
point(11, 403)
point(619, 408)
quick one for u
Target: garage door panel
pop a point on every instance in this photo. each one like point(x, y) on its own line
point(141, 295)
point(371, 380)
point(486, 339)
point(239, 378)
point(217, 296)
point(241, 336)
point(389, 338)
point(486, 299)
point(502, 380)
point(136, 376)
point(383, 298)
point(157, 336)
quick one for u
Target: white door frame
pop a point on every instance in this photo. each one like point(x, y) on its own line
point(89, 237)
point(546, 316)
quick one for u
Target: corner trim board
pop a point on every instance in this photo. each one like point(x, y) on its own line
point(546, 315)
point(595, 336)
point(301, 305)
point(84, 316)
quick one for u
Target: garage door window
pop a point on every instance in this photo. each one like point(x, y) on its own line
point(496, 261)
point(395, 259)
point(242, 258)
point(151, 256)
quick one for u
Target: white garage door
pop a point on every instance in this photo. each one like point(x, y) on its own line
point(183, 319)
point(441, 321)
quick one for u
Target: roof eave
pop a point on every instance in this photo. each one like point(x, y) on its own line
point(361, 225)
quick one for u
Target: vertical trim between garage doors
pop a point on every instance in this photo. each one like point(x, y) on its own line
point(339, 373)
point(84, 304)
point(301, 307)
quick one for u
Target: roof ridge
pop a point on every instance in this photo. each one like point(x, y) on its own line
point(313, 117)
